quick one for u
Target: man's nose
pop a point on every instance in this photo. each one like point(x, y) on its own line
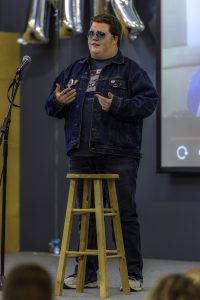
point(95, 37)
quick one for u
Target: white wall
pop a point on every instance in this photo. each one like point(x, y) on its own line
point(193, 22)
point(173, 20)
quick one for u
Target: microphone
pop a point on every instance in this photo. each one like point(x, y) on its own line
point(25, 61)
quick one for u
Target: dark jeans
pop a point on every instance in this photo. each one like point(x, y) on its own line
point(127, 169)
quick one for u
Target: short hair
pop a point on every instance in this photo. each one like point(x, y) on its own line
point(194, 274)
point(175, 287)
point(115, 27)
point(28, 282)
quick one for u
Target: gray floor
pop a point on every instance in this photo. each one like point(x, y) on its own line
point(153, 270)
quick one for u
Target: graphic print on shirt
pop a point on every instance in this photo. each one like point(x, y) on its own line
point(94, 76)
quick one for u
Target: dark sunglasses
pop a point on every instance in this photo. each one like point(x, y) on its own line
point(99, 34)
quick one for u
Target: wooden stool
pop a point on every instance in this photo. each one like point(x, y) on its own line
point(100, 213)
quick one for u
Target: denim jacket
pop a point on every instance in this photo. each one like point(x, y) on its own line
point(118, 131)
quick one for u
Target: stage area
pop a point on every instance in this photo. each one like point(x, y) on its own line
point(154, 269)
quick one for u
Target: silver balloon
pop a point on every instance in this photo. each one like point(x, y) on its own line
point(66, 19)
point(100, 7)
point(37, 30)
point(77, 16)
point(70, 18)
point(129, 18)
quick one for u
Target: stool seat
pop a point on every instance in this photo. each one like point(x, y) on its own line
point(100, 214)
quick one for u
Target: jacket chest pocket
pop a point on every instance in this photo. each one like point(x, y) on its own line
point(118, 87)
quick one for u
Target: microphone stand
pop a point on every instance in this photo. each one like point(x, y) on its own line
point(4, 135)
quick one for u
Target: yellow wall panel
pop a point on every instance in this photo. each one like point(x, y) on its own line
point(9, 61)
point(10, 53)
point(12, 234)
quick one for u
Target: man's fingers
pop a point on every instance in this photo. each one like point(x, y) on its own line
point(70, 92)
point(101, 98)
point(105, 102)
point(66, 96)
point(66, 91)
point(110, 95)
point(57, 90)
point(69, 96)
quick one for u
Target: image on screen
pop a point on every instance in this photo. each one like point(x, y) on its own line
point(180, 84)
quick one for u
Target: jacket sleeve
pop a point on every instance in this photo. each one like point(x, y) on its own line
point(142, 103)
point(52, 106)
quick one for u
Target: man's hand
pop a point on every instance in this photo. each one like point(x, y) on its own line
point(105, 102)
point(67, 96)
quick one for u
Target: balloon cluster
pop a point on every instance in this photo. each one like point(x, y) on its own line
point(70, 18)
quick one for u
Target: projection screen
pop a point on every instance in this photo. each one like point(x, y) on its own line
point(180, 86)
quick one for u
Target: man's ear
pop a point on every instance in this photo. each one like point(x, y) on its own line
point(116, 39)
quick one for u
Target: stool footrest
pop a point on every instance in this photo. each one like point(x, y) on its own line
point(92, 176)
point(92, 252)
point(111, 214)
point(80, 211)
point(113, 256)
point(108, 212)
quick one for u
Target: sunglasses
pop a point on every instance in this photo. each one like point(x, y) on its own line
point(99, 34)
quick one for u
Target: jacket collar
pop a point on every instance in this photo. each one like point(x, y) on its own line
point(118, 59)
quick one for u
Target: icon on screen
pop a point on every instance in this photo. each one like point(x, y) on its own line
point(182, 152)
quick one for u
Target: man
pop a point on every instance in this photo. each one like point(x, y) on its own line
point(104, 99)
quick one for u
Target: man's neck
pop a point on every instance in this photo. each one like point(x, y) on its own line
point(113, 54)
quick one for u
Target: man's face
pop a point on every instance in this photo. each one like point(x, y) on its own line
point(102, 44)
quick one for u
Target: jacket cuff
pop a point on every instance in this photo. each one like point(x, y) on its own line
point(115, 105)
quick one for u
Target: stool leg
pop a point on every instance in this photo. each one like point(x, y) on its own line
point(66, 237)
point(87, 187)
point(118, 236)
point(101, 239)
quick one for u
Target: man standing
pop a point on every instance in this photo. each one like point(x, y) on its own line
point(104, 99)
